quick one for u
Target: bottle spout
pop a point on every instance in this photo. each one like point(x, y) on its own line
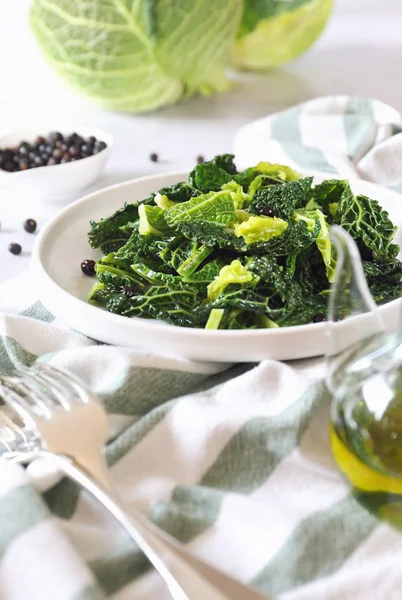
point(349, 297)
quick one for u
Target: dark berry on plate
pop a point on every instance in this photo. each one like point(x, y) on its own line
point(24, 148)
point(84, 155)
point(4, 157)
point(14, 248)
point(200, 159)
point(84, 148)
point(54, 136)
point(42, 148)
point(38, 161)
point(33, 154)
point(92, 140)
point(66, 158)
point(74, 150)
point(57, 153)
point(100, 145)
point(88, 267)
point(23, 165)
point(9, 166)
point(154, 157)
point(319, 318)
point(268, 211)
point(39, 140)
point(30, 225)
point(52, 161)
point(49, 148)
point(64, 147)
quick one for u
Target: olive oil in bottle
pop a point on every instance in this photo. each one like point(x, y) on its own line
point(366, 440)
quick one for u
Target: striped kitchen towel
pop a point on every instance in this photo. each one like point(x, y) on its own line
point(349, 136)
point(234, 461)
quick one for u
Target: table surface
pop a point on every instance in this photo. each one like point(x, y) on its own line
point(358, 54)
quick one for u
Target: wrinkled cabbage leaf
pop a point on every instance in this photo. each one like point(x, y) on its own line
point(141, 55)
point(265, 174)
point(235, 273)
point(283, 199)
point(312, 219)
point(214, 259)
point(364, 219)
point(214, 207)
point(152, 220)
point(260, 229)
point(179, 192)
point(274, 32)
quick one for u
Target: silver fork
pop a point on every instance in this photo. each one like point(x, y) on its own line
point(51, 415)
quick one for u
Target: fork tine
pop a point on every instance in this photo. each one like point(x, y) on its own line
point(54, 394)
point(67, 379)
point(32, 397)
point(16, 403)
point(9, 432)
point(15, 439)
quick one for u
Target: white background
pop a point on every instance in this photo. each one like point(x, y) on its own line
point(359, 53)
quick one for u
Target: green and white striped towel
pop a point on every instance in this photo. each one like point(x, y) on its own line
point(233, 461)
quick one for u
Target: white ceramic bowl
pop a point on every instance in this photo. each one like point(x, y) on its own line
point(63, 244)
point(55, 181)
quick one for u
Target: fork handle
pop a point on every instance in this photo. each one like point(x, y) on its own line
point(180, 570)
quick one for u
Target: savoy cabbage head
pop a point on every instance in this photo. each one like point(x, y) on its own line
point(138, 55)
point(274, 32)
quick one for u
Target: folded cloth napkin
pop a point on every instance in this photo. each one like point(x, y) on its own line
point(234, 461)
point(350, 136)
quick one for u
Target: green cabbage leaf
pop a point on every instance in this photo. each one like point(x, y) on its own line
point(273, 32)
point(215, 258)
point(138, 55)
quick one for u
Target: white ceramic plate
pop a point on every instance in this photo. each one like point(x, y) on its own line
point(62, 245)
